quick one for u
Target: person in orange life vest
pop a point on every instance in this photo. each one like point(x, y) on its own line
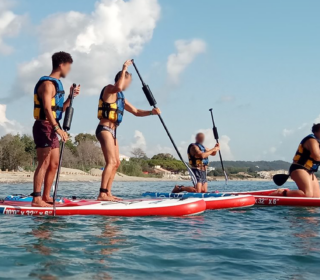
point(305, 163)
point(112, 105)
point(49, 105)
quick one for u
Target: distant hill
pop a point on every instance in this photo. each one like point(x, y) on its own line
point(253, 166)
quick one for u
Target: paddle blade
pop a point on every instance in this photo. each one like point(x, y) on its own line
point(280, 179)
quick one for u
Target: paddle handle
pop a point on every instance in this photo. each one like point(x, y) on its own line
point(216, 136)
point(69, 112)
point(153, 103)
point(146, 89)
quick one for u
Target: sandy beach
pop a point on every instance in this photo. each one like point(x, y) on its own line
point(94, 175)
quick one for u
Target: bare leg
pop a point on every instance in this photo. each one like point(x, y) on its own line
point(116, 166)
point(315, 186)
point(178, 189)
point(304, 182)
point(50, 175)
point(109, 148)
point(43, 156)
point(205, 187)
point(199, 187)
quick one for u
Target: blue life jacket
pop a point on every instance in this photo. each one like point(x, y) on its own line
point(112, 111)
point(56, 102)
point(193, 160)
point(303, 156)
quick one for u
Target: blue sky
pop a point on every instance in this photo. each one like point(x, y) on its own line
point(256, 63)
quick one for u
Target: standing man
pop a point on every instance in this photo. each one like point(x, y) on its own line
point(198, 160)
point(49, 105)
point(112, 105)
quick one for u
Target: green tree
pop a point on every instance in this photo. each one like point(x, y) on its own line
point(13, 152)
point(163, 156)
point(139, 153)
point(85, 137)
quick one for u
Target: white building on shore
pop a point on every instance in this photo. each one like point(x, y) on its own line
point(123, 157)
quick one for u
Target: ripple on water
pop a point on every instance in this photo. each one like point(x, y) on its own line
point(255, 243)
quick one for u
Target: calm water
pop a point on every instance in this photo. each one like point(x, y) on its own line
point(257, 243)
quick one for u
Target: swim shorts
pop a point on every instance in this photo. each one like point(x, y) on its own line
point(44, 135)
point(201, 175)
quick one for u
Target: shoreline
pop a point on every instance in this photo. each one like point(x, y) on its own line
point(74, 175)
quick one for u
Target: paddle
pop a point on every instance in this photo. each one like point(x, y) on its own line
point(66, 127)
point(280, 179)
point(153, 103)
point(216, 136)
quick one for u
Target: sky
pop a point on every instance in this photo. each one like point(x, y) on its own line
point(255, 63)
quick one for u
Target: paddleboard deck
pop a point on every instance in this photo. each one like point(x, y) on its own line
point(229, 202)
point(264, 200)
point(126, 208)
point(213, 201)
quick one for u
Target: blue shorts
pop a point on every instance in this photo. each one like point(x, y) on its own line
point(201, 176)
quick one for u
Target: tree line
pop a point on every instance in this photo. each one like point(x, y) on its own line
point(83, 153)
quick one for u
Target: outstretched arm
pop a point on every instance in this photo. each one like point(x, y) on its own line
point(119, 85)
point(215, 151)
point(140, 113)
point(198, 153)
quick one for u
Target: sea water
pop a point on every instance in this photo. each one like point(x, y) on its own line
point(254, 243)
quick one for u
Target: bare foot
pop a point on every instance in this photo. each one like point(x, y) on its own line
point(48, 199)
point(38, 202)
point(176, 189)
point(278, 192)
point(105, 197)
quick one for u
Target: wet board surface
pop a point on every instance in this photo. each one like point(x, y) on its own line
point(133, 207)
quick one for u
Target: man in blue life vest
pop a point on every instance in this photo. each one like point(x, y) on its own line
point(49, 105)
point(198, 160)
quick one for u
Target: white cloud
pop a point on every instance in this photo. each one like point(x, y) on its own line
point(186, 53)
point(10, 25)
point(225, 99)
point(99, 43)
point(140, 141)
point(8, 126)
point(317, 119)
point(286, 132)
point(272, 150)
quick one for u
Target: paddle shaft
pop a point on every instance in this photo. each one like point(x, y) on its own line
point(57, 179)
point(66, 127)
point(153, 103)
point(215, 133)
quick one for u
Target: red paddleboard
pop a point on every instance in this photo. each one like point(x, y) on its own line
point(227, 202)
point(263, 198)
point(287, 201)
point(127, 208)
point(261, 192)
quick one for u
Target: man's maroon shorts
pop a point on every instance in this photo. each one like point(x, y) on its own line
point(44, 135)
